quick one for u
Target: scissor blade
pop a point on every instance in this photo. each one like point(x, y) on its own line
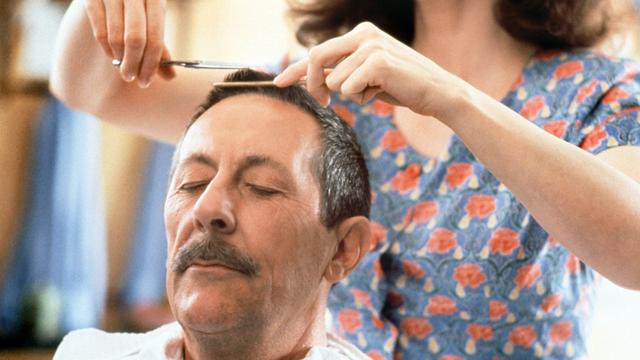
point(195, 64)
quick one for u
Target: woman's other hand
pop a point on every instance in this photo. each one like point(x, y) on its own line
point(132, 31)
point(367, 62)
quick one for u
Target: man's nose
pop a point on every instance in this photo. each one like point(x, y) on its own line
point(214, 210)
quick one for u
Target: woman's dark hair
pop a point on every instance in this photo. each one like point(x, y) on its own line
point(547, 24)
point(339, 166)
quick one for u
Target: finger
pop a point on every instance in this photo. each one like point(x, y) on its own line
point(388, 98)
point(155, 41)
point(114, 11)
point(166, 72)
point(135, 38)
point(97, 18)
point(325, 55)
point(369, 74)
point(292, 73)
point(370, 92)
point(345, 68)
point(316, 80)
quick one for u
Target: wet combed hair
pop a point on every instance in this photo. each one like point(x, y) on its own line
point(340, 168)
point(547, 24)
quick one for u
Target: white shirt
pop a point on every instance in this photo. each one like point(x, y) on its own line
point(166, 343)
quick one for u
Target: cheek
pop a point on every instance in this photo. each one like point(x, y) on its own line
point(175, 210)
point(293, 243)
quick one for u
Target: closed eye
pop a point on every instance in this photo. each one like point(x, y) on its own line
point(263, 191)
point(193, 186)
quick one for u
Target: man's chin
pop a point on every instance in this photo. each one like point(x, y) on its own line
point(207, 305)
point(213, 313)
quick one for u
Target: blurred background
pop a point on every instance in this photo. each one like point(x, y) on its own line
point(73, 190)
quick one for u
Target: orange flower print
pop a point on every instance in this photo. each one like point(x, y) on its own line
point(561, 332)
point(557, 128)
point(480, 332)
point(441, 305)
point(518, 83)
point(480, 205)
point(457, 174)
point(594, 138)
point(550, 302)
point(422, 212)
point(527, 275)
point(614, 95)
point(412, 269)
point(377, 322)
point(441, 241)
point(393, 140)
point(504, 241)
point(406, 179)
point(345, 114)
point(497, 309)
point(382, 108)
point(377, 268)
point(378, 234)
point(450, 357)
point(416, 327)
point(548, 54)
point(552, 240)
point(523, 336)
point(568, 69)
point(532, 107)
point(362, 298)
point(350, 320)
point(469, 275)
point(586, 91)
point(573, 264)
point(375, 355)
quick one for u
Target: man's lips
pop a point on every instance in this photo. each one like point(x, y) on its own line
point(211, 265)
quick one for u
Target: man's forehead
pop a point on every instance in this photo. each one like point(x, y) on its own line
point(252, 125)
point(255, 121)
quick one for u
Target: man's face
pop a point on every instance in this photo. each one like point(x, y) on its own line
point(246, 246)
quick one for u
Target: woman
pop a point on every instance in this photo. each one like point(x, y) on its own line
point(489, 213)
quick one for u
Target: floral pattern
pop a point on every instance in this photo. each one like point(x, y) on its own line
point(459, 269)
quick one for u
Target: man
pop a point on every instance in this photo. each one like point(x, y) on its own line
point(267, 208)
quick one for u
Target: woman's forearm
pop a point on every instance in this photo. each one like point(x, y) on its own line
point(588, 205)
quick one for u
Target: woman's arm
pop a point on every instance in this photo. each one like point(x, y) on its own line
point(591, 204)
point(83, 77)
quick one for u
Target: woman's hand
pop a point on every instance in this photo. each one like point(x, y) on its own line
point(132, 31)
point(368, 62)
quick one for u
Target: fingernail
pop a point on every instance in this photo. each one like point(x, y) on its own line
point(144, 83)
point(277, 78)
point(129, 78)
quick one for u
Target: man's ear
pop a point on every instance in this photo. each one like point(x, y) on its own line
point(354, 240)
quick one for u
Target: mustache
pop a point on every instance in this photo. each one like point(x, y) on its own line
point(213, 248)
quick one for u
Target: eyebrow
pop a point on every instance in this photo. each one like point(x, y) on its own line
point(197, 158)
point(260, 160)
point(253, 161)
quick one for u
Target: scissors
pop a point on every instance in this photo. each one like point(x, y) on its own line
point(196, 64)
point(214, 65)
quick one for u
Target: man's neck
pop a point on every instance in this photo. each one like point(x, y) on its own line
point(463, 37)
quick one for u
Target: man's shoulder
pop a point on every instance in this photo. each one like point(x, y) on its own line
point(100, 345)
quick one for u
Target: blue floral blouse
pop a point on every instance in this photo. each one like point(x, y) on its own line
point(459, 269)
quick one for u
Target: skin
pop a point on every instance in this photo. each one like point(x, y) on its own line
point(450, 80)
point(268, 209)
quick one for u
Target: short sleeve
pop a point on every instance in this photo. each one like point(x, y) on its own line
point(615, 121)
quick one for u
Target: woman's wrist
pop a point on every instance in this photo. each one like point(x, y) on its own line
point(462, 100)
